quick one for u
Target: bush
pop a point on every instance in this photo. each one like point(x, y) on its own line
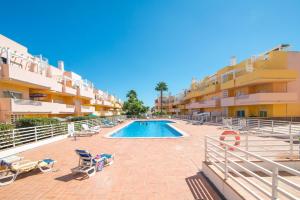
point(160, 113)
point(4, 127)
point(79, 118)
point(36, 121)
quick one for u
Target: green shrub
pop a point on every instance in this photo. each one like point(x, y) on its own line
point(160, 113)
point(36, 121)
point(79, 118)
point(4, 127)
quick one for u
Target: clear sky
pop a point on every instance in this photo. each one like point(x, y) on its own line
point(123, 45)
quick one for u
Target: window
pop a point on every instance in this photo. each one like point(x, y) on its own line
point(14, 95)
point(240, 113)
point(263, 113)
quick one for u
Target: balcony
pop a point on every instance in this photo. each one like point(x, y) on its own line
point(87, 109)
point(96, 102)
point(104, 103)
point(105, 113)
point(69, 90)
point(195, 105)
point(227, 85)
point(29, 106)
point(182, 107)
point(86, 92)
point(111, 98)
point(107, 103)
point(261, 76)
point(266, 98)
point(117, 106)
point(228, 101)
point(260, 98)
point(13, 72)
point(265, 76)
point(174, 110)
point(212, 103)
point(192, 94)
point(210, 89)
point(202, 104)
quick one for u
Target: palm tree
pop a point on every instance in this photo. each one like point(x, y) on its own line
point(161, 87)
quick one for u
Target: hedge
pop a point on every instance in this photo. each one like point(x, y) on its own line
point(79, 118)
point(4, 127)
point(36, 121)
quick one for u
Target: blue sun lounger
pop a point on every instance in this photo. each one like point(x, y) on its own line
point(89, 164)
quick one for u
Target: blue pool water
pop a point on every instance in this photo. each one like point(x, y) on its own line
point(151, 129)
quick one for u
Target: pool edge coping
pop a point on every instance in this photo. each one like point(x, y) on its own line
point(183, 134)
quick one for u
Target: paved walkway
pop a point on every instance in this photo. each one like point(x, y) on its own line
point(143, 169)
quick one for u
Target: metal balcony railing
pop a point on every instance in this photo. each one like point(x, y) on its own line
point(247, 162)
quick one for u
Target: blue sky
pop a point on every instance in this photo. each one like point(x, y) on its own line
point(123, 45)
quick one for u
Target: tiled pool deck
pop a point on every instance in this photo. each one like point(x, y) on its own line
point(143, 169)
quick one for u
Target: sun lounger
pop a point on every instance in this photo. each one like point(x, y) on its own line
point(87, 131)
point(196, 122)
point(120, 120)
point(94, 129)
point(83, 133)
point(89, 164)
point(12, 168)
point(108, 124)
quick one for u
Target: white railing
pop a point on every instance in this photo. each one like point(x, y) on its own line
point(245, 165)
point(21, 136)
point(254, 125)
point(85, 109)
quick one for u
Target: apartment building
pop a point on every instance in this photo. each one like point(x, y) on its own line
point(267, 85)
point(167, 104)
point(30, 86)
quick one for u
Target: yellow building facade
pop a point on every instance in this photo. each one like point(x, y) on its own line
point(267, 85)
point(30, 86)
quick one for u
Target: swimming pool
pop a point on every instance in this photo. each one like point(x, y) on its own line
point(148, 129)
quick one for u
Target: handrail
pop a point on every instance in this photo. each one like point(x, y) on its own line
point(20, 136)
point(256, 125)
point(218, 154)
point(295, 172)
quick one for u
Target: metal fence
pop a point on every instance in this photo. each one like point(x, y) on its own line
point(254, 125)
point(251, 167)
point(20, 136)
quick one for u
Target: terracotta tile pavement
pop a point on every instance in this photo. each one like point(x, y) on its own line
point(143, 169)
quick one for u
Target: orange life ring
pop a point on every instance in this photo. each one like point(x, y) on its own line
point(236, 136)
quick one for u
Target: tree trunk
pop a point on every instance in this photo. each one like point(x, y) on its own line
point(161, 103)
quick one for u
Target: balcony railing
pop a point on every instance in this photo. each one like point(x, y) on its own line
point(260, 76)
point(18, 137)
point(29, 77)
point(227, 84)
point(211, 89)
point(192, 94)
point(87, 109)
point(29, 106)
point(263, 76)
point(107, 103)
point(106, 113)
point(69, 90)
point(260, 98)
point(244, 167)
point(228, 101)
point(202, 104)
point(86, 92)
